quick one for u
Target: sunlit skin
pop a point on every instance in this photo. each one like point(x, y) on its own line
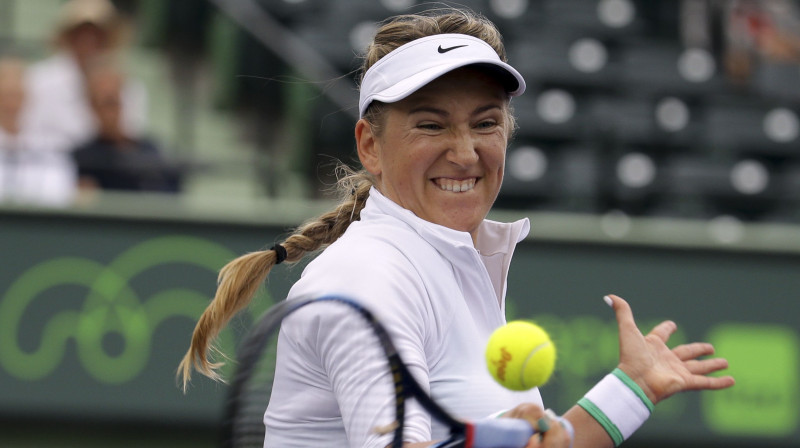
point(12, 95)
point(441, 151)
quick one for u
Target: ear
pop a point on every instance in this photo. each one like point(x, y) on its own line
point(367, 145)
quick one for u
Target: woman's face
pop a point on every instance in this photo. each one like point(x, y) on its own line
point(440, 152)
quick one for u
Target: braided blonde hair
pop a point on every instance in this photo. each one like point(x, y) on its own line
point(240, 279)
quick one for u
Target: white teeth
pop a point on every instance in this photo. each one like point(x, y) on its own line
point(456, 186)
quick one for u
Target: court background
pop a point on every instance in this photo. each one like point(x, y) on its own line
point(97, 301)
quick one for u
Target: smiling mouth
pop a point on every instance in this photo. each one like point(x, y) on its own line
point(455, 185)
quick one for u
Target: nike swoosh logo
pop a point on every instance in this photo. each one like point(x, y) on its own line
point(445, 50)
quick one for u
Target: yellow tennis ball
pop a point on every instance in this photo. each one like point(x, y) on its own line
point(520, 355)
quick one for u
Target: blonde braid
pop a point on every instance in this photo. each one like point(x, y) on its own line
point(240, 279)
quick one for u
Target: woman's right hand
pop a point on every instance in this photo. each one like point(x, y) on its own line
point(550, 433)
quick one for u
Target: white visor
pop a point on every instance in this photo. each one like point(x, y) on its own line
point(407, 68)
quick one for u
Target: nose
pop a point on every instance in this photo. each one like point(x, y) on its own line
point(463, 151)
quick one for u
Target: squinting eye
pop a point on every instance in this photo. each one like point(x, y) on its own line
point(429, 126)
point(487, 124)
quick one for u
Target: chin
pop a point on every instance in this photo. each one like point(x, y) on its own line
point(462, 225)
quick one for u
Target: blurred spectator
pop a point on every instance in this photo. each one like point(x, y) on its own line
point(114, 159)
point(57, 100)
point(31, 172)
point(760, 34)
point(746, 33)
point(774, 27)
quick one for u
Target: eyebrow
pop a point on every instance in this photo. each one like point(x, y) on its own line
point(430, 109)
point(434, 110)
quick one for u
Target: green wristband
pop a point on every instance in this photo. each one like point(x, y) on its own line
point(634, 387)
point(618, 404)
point(602, 418)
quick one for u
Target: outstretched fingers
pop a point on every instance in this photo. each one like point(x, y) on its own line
point(630, 338)
point(693, 350)
point(657, 369)
point(703, 382)
point(664, 330)
point(706, 366)
point(622, 311)
point(700, 368)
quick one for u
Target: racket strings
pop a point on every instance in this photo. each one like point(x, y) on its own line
point(373, 415)
point(248, 424)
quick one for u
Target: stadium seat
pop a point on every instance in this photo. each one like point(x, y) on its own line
point(342, 30)
point(632, 181)
point(610, 17)
point(577, 60)
point(777, 81)
point(541, 174)
point(745, 188)
point(754, 127)
point(789, 184)
point(667, 68)
point(529, 180)
point(787, 209)
point(293, 13)
point(551, 113)
point(618, 115)
point(578, 168)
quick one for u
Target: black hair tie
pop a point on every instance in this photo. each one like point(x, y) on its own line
point(280, 252)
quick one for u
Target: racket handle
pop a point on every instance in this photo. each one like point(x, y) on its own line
point(501, 433)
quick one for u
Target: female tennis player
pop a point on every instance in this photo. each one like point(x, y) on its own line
point(410, 240)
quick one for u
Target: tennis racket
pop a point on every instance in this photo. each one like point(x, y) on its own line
point(250, 389)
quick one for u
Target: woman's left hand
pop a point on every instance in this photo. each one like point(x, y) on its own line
point(659, 370)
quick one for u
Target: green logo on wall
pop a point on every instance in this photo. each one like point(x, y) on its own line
point(764, 361)
point(111, 306)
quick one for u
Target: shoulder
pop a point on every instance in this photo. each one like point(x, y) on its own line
point(52, 71)
point(382, 247)
point(361, 256)
point(91, 149)
point(369, 263)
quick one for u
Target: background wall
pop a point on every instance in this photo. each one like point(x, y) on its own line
point(96, 312)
